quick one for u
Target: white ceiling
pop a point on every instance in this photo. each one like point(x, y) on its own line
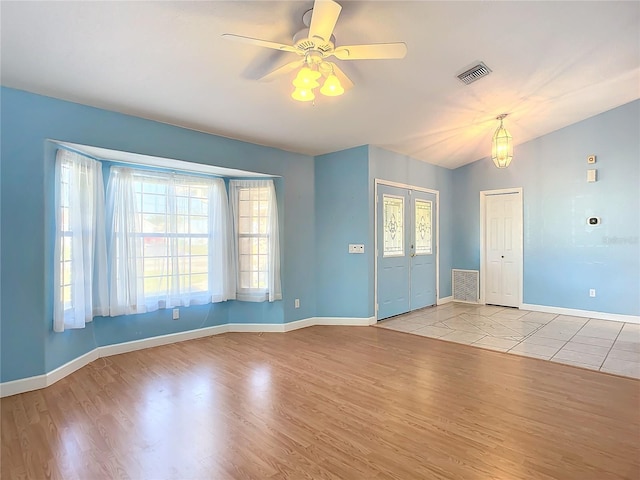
point(554, 63)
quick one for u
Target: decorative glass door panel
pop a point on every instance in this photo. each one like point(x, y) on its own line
point(423, 226)
point(393, 221)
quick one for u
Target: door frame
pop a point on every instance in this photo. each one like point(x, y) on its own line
point(483, 255)
point(379, 181)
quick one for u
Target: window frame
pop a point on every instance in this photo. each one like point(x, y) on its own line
point(271, 290)
point(142, 178)
point(258, 271)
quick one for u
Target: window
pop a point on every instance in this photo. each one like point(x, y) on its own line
point(423, 225)
point(65, 235)
point(80, 288)
point(170, 240)
point(255, 219)
point(393, 216)
point(253, 239)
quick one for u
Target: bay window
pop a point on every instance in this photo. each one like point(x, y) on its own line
point(158, 240)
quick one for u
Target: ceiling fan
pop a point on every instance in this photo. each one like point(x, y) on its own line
point(315, 44)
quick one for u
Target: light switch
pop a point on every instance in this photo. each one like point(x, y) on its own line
point(592, 175)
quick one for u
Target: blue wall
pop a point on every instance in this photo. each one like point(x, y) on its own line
point(394, 167)
point(342, 279)
point(325, 204)
point(563, 256)
point(29, 347)
point(345, 214)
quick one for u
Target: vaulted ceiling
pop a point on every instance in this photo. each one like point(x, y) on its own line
point(554, 63)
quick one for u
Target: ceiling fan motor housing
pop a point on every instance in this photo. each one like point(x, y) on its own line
point(303, 43)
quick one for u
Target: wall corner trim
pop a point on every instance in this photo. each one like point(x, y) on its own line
point(37, 382)
point(444, 300)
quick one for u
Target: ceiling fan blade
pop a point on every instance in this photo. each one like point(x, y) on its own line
point(345, 81)
point(260, 43)
point(283, 70)
point(375, 51)
point(323, 19)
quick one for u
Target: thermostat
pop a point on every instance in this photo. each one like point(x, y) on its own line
point(593, 221)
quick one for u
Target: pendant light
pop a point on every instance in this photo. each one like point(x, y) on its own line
point(502, 145)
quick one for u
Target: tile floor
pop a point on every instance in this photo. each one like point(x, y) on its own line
point(604, 345)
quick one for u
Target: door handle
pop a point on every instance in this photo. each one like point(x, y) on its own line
point(502, 256)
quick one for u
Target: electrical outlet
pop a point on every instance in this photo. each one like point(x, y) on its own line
point(176, 313)
point(592, 292)
point(296, 303)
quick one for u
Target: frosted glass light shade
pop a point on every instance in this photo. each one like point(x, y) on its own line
point(332, 87)
point(306, 78)
point(502, 147)
point(303, 95)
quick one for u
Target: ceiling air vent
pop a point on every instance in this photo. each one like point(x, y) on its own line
point(474, 73)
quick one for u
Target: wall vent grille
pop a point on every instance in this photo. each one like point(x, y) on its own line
point(474, 73)
point(466, 285)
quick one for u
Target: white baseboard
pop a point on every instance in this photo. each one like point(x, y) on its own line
point(305, 322)
point(22, 385)
point(68, 368)
point(346, 321)
point(581, 313)
point(132, 346)
point(442, 301)
point(256, 327)
point(41, 381)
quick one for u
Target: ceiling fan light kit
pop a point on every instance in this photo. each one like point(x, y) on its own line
point(316, 44)
point(307, 80)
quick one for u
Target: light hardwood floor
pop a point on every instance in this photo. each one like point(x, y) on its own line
point(324, 403)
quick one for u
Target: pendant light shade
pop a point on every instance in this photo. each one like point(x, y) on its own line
point(303, 94)
point(502, 145)
point(332, 87)
point(307, 78)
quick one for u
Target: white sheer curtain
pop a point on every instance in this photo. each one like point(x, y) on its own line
point(222, 283)
point(80, 272)
point(254, 212)
point(123, 248)
point(169, 241)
